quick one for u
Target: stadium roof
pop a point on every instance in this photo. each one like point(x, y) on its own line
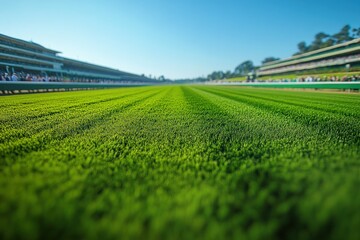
point(29, 44)
point(93, 66)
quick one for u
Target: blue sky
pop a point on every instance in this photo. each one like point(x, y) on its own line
point(175, 38)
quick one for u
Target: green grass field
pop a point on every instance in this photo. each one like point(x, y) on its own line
point(180, 162)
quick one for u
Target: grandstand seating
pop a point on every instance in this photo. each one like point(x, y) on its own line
point(346, 55)
point(28, 58)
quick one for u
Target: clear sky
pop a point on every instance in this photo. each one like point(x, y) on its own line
point(174, 38)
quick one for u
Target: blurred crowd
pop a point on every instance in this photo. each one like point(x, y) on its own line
point(346, 78)
point(28, 77)
point(21, 76)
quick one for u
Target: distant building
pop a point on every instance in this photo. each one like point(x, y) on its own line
point(344, 57)
point(21, 56)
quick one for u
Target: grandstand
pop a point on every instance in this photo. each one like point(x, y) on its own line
point(27, 58)
point(341, 57)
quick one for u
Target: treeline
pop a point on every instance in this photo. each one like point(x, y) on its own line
point(322, 40)
point(242, 69)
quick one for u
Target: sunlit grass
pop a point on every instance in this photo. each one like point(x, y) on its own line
point(180, 162)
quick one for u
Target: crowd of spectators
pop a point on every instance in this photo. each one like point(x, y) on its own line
point(324, 78)
point(21, 76)
point(29, 77)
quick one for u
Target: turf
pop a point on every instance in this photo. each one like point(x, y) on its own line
point(180, 162)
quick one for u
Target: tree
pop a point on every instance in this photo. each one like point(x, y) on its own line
point(228, 74)
point(318, 41)
point(269, 59)
point(343, 35)
point(302, 47)
point(356, 32)
point(216, 75)
point(329, 42)
point(244, 68)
